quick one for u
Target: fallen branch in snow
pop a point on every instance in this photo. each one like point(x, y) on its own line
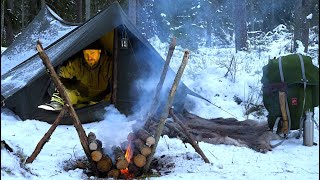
point(191, 141)
point(5, 145)
point(165, 113)
point(46, 137)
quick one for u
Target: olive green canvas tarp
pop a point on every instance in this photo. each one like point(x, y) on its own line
point(25, 83)
point(293, 86)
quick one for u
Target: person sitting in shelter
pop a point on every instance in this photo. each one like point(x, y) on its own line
point(87, 79)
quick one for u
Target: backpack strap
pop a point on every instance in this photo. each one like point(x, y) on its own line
point(304, 79)
point(287, 105)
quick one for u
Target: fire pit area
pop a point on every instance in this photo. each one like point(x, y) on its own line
point(126, 161)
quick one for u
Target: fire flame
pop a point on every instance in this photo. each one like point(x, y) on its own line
point(128, 155)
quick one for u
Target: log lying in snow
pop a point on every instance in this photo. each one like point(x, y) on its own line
point(105, 164)
point(120, 160)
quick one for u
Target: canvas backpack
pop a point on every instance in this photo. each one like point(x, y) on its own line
point(295, 75)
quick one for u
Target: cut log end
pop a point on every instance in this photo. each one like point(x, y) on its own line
point(122, 164)
point(139, 160)
point(150, 141)
point(95, 145)
point(96, 155)
point(105, 164)
point(146, 151)
point(114, 173)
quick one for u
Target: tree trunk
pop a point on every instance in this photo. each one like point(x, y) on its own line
point(88, 8)
point(133, 11)
point(240, 26)
point(8, 22)
point(208, 40)
point(2, 20)
point(22, 15)
point(43, 3)
point(301, 24)
point(79, 10)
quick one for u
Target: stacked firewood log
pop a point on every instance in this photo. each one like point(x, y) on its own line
point(128, 159)
point(140, 142)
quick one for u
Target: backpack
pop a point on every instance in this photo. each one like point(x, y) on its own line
point(298, 78)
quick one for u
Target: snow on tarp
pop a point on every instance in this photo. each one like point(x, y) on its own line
point(47, 27)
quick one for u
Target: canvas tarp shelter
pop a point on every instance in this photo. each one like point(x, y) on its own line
point(24, 82)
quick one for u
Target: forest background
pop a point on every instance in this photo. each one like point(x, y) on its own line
point(210, 23)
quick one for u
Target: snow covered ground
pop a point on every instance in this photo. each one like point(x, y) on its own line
point(205, 75)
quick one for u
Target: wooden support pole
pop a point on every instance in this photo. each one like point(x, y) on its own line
point(46, 136)
point(76, 122)
point(155, 101)
point(185, 131)
point(165, 113)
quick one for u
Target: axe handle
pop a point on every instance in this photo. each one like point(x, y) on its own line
point(282, 101)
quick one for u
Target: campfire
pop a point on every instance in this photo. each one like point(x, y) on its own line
point(128, 159)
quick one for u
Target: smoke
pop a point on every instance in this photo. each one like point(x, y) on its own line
point(114, 129)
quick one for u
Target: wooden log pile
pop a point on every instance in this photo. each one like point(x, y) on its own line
point(127, 160)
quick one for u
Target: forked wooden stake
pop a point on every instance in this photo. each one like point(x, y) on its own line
point(165, 113)
point(76, 122)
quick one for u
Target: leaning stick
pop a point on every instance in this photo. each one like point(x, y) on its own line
point(165, 113)
point(163, 75)
point(46, 136)
point(76, 122)
point(185, 131)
